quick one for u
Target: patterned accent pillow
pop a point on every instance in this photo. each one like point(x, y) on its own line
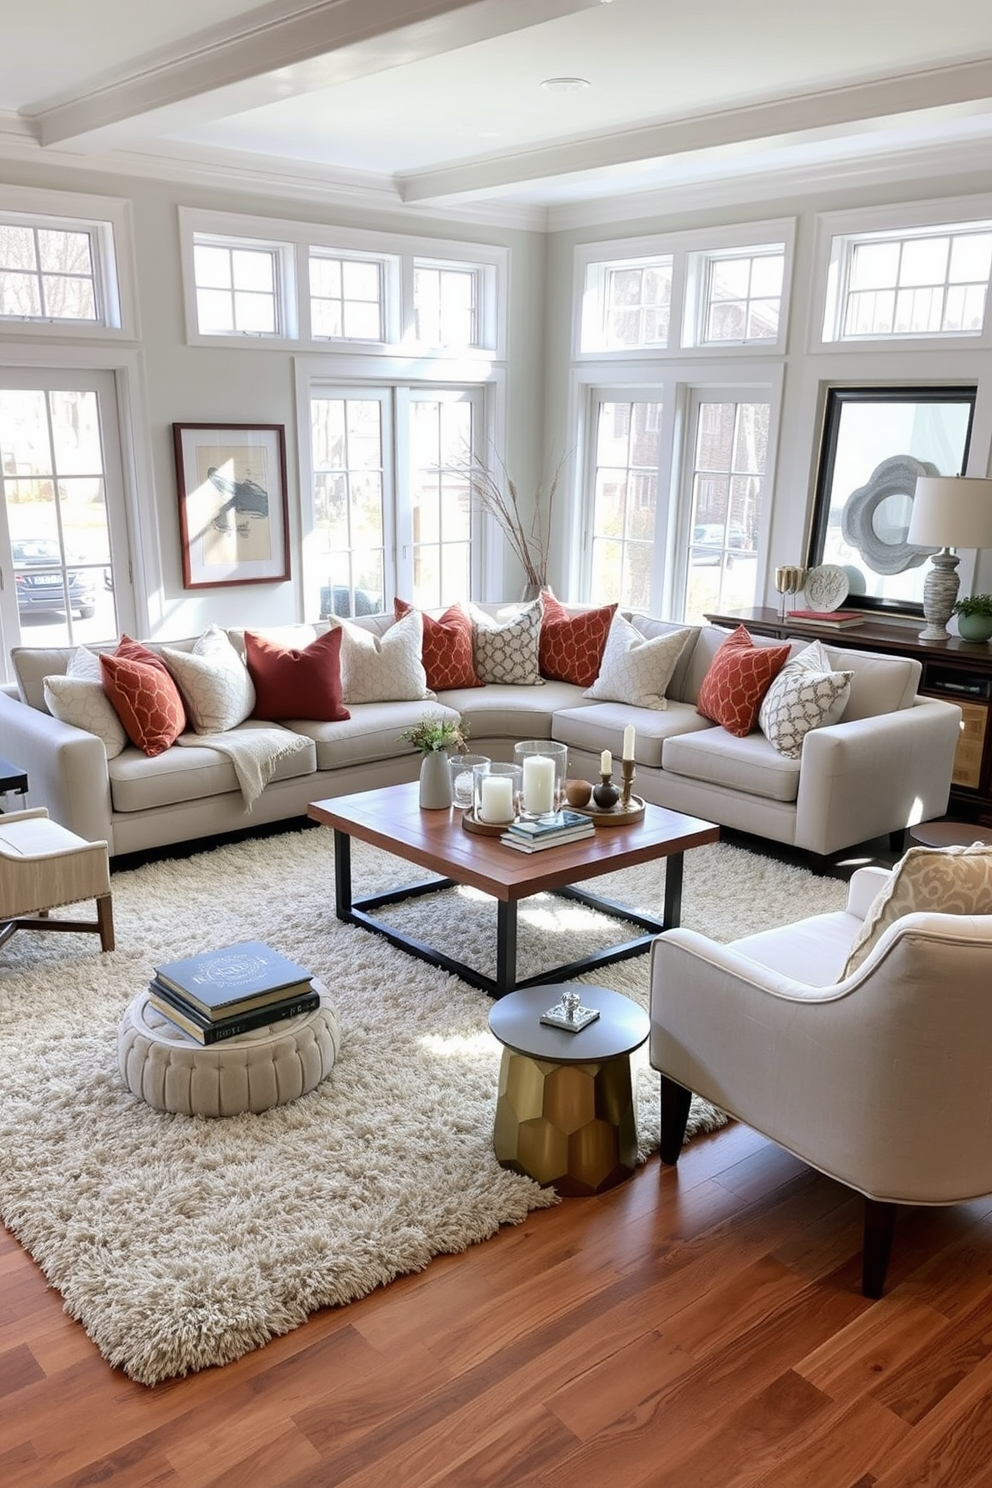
point(940, 880)
point(509, 651)
point(215, 683)
point(294, 683)
point(738, 677)
point(637, 669)
point(571, 646)
point(146, 701)
point(383, 669)
point(77, 697)
point(806, 694)
point(447, 647)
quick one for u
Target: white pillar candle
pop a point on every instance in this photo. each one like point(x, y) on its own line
point(606, 763)
point(497, 799)
point(628, 742)
point(539, 784)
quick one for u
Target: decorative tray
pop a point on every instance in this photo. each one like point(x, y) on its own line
point(616, 816)
point(471, 823)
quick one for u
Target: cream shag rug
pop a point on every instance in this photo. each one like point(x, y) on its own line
point(181, 1242)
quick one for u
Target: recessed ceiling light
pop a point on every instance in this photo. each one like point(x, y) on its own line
point(565, 84)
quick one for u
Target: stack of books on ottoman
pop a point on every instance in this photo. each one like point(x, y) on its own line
point(548, 831)
point(218, 994)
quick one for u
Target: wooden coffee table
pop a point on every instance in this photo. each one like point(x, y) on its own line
point(391, 819)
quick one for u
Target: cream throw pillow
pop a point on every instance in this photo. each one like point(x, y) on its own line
point(635, 669)
point(386, 668)
point(508, 651)
point(807, 694)
point(215, 683)
point(77, 697)
point(946, 880)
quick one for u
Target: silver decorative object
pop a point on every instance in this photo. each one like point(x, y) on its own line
point(569, 1013)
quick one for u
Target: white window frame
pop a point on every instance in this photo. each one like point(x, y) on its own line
point(388, 266)
point(107, 222)
point(836, 232)
point(698, 299)
point(396, 252)
point(690, 252)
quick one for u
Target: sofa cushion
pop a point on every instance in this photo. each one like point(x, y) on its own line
point(805, 695)
point(508, 651)
point(291, 683)
point(599, 726)
point(372, 733)
point(215, 683)
point(746, 763)
point(650, 628)
point(145, 698)
point(79, 698)
point(447, 647)
point(382, 669)
point(738, 678)
point(635, 669)
point(571, 646)
point(708, 642)
point(508, 712)
point(879, 684)
point(138, 783)
point(947, 880)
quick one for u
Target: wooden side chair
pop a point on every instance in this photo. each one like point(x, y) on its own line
point(43, 866)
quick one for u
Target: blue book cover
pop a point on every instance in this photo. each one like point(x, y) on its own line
point(565, 820)
point(213, 980)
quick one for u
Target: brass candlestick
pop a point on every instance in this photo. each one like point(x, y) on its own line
point(627, 769)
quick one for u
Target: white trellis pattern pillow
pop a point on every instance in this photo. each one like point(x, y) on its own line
point(635, 668)
point(508, 651)
point(77, 697)
point(215, 683)
point(806, 694)
point(383, 669)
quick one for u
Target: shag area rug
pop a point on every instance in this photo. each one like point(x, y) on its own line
point(181, 1242)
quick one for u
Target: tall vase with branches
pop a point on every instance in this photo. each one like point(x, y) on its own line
point(496, 493)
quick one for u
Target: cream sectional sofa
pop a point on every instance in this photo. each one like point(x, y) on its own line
point(884, 766)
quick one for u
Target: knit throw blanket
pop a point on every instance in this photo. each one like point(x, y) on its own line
point(254, 753)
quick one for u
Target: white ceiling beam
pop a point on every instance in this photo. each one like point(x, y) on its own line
point(956, 86)
point(329, 42)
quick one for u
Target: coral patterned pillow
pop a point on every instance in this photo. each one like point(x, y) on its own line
point(738, 677)
point(571, 646)
point(290, 683)
point(447, 647)
point(145, 699)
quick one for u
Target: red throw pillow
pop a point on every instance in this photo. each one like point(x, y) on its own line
point(145, 699)
point(571, 646)
point(135, 651)
point(738, 677)
point(447, 648)
point(297, 684)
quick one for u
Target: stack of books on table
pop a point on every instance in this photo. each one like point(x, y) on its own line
point(218, 994)
point(548, 831)
point(828, 619)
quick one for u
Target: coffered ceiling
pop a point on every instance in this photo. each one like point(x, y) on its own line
point(542, 111)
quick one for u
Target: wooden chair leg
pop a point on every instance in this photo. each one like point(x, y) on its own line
point(675, 1103)
point(105, 920)
point(880, 1223)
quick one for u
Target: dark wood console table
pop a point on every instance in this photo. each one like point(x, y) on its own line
point(958, 671)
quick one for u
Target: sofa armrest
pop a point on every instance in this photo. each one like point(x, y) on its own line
point(876, 775)
point(66, 767)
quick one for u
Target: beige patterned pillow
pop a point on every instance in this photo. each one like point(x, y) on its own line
point(77, 697)
point(386, 668)
point(636, 669)
point(946, 880)
point(215, 683)
point(508, 652)
point(807, 694)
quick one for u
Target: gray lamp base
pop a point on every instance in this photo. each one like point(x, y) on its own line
point(940, 591)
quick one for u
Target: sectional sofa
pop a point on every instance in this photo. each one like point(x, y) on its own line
point(885, 765)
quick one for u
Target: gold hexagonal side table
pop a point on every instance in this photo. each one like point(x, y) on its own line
point(565, 1109)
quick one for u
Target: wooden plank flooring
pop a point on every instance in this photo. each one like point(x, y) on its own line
point(700, 1327)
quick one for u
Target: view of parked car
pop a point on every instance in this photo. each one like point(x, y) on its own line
point(711, 535)
point(38, 577)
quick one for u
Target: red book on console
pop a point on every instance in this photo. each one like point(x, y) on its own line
point(839, 619)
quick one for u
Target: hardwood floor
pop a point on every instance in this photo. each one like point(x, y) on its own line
point(699, 1327)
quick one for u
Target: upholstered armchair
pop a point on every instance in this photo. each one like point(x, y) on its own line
point(880, 1078)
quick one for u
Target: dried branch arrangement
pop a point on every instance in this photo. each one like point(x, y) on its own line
point(497, 494)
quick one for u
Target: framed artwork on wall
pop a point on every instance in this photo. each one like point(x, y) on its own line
point(233, 509)
point(876, 442)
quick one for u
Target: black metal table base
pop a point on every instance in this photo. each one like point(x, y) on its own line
point(357, 912)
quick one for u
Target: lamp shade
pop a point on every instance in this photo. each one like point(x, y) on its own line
point(951, 511)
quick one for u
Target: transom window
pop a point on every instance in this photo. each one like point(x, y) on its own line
point(445, 306)
point(927, 282)
point(628, 304)
point(237, 288)
point(346, 298)
point(742, 298)
point(47, 273)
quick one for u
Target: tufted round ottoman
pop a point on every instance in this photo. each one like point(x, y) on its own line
point(253, 1072)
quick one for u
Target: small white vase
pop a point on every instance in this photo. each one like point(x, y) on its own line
point(435, 782)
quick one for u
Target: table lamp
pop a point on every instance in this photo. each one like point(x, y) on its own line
point(949, 511)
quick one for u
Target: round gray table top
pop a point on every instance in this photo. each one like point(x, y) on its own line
point(621, 1027)
point(949, 834)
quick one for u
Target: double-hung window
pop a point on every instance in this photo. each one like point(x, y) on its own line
point(65, 264)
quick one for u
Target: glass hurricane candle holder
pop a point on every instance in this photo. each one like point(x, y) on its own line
point(544, 766)
point(496, 788)
point(462, 779)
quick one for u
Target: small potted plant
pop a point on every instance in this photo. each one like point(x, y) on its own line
point(974, 614)
point(434, 737)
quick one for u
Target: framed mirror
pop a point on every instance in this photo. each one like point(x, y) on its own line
point(876, 442)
